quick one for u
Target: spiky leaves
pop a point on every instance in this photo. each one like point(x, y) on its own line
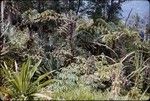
point(21, 83)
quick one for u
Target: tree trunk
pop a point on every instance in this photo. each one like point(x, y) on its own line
point(71, 39)
point(2, 24)
point(79, 4)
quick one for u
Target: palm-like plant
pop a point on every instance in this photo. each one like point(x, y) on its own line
point(21, 84)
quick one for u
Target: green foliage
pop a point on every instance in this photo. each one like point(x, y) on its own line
point(20, 81)
point(32, 16)
point(18, 38)
point(48, 64)
point(80, 92)
point(61, 41)
point(66, 78)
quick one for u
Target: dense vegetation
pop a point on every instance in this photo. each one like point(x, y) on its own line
point(71, 50)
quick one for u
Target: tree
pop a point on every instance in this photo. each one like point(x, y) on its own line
point(106, 9)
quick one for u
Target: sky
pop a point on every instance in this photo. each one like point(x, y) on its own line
point(141, 7)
